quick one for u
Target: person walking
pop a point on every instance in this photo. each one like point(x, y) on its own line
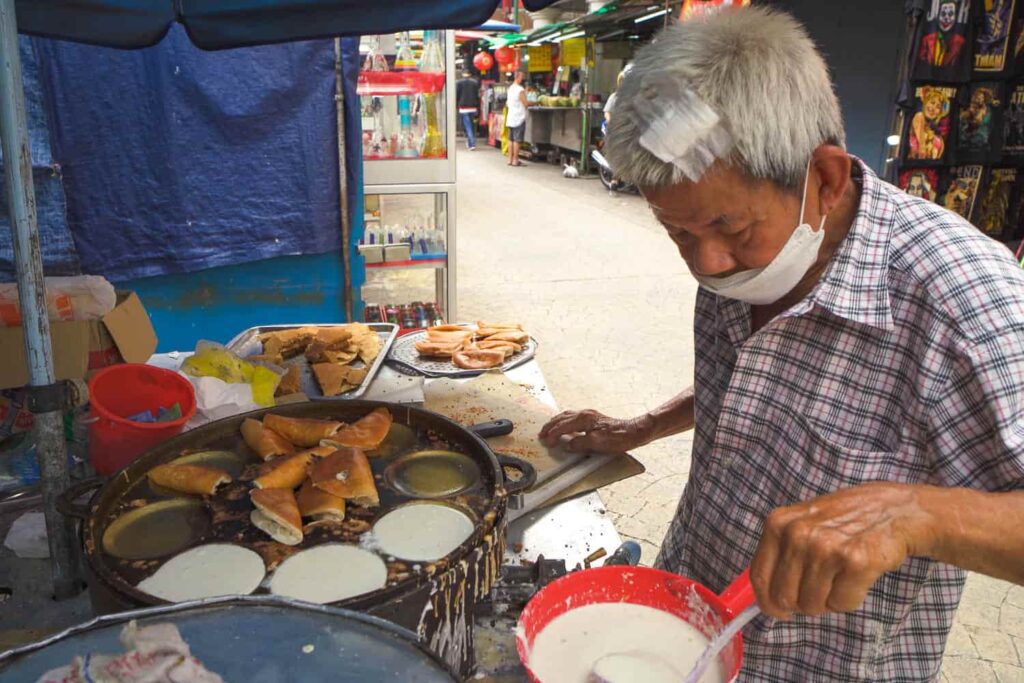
point(515, 121)
point(467, 99)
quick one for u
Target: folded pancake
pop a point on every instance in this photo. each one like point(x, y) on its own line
point(288, 342)
point(453, 336)
point(446, 328)
point(514, 336)
point(277, 514)
point(346, 474)
point(367, 432)
point(301, 431)
point(319, 504)
point(434, 349)
point(498, 326)
point(508, 347)
point(264, 442)
point(368, 347)
point(485, 332)
point(197, 479)
point(272, 358)
point(478, 359)
point(287, 474)
point(291, 383)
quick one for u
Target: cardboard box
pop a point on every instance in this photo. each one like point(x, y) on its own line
point(125, 335)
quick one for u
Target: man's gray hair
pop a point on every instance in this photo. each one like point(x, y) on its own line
point(758, 70)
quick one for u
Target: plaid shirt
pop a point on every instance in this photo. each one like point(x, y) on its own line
point(906, 364)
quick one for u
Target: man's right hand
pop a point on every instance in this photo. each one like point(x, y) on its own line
point(593, 431)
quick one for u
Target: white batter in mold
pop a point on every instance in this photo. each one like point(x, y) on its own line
point(422, 532)
point(620, 642)
point(328, 573)
point(206, 571)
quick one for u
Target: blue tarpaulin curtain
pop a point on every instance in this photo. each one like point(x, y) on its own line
point(175, 159)
point(217, 24)
point(59, 253)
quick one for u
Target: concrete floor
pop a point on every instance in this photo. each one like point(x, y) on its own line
point(594, 278)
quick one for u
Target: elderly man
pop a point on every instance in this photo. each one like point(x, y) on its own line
point(858, 402)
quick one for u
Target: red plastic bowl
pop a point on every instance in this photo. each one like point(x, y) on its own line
point(640, 586)
point(120, 391)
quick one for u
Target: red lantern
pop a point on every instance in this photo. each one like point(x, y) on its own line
point(505, 55)
point(483, 61)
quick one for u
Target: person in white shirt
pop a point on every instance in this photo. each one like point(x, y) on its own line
point(516, 118)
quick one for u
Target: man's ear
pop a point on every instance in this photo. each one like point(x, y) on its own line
point(832, 165)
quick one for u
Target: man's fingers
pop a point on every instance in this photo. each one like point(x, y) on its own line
point(816, 586)
point(585, 442)
point(853, 581)
point(568, 423)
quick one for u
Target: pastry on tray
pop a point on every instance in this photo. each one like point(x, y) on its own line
point(287, 474)
point(346, 474)
point(367, 432)
point(197, 479)
point(514, 336)
point(478, 359)
point(291, 383)
point(277, 514)
point(337, 379)
point(265, 442)
point(498, 326)
point(302, 431)
point(319, 504)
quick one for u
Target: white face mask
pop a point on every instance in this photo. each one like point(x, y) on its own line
point(769, 284)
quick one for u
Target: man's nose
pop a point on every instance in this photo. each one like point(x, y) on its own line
point(710, 259)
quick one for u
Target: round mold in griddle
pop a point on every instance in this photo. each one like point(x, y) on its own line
point(400, 439)
point(422, 531)
point(157, 529)
point(433, 474)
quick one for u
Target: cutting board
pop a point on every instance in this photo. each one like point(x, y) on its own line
point(493, 396)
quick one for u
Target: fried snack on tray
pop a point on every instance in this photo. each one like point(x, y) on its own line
point(288, 343)
point(478, 359)
point(302, 431)
point(277, 514)
point(265, 442)
point(319, 504)
point(337, 379)
point(197, 479)
point(498, 326)
point(514, 336)
point(346, 474)
point(435, 349)
point(287, 474)
point(291, 383)
point(367, 432)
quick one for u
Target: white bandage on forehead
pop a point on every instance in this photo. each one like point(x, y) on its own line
point(679, 128)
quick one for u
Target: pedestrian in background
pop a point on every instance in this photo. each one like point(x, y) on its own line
point(467, 99)
point(515, 121)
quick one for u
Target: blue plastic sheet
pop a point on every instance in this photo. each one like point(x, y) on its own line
point(175, 159)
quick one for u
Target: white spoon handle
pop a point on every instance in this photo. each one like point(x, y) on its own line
point(721, 640)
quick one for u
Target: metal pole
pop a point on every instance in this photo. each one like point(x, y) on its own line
point(46, 398)
point(346, 229)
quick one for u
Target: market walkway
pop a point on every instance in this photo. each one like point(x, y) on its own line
point(596, 280)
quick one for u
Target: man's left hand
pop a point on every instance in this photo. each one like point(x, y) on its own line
point(824, 555)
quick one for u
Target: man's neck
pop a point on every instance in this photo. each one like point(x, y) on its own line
point(837, 226)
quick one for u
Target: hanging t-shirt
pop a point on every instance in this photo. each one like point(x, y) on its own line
point(943, 42)
point(929, 135)
point(980, 123)
point(1013, 122)
point(920, 182)
point(994, 210)
point(961, 189)
point(992, 47)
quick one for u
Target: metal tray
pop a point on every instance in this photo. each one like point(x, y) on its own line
point(248, 344)
point(405, 357)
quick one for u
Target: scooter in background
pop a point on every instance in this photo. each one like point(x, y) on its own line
point(607, 175)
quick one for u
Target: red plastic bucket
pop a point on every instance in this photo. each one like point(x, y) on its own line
point(640, 586)
point(128, 389)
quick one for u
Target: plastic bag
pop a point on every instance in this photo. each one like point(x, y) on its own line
point(81, 297)
point(213, 360)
